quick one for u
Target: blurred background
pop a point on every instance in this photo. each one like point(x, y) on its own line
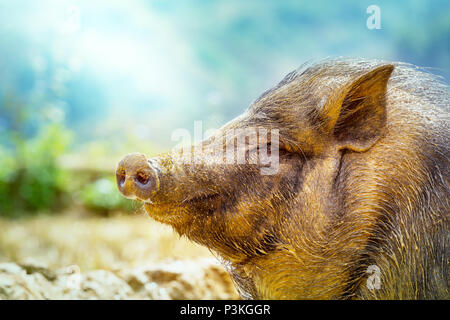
point(84, 82)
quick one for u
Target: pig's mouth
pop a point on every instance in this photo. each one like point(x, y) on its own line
point(186, 202)
point(166, 212)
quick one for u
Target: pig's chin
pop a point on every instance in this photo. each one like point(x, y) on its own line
point(165, 210)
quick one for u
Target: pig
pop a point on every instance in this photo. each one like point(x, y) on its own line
point(357, 206)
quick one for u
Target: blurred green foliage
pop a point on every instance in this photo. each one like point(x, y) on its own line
point(33, 181)
point(30, 178)
point(103, 197)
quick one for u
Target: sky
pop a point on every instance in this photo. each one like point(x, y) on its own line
point(115, 69)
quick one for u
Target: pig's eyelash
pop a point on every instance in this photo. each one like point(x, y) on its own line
point(296, 147)
point(282, 150)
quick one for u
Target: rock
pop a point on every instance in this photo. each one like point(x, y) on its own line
point(31, 266)
point(101, 284)
point(10, 268)
point(196, 279)
point(16, 284)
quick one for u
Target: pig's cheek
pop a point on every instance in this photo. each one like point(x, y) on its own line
point(147, 207)
point(152, 211)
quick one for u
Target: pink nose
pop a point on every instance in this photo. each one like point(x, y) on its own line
point(136, 177)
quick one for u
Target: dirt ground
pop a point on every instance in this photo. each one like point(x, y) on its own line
point(122, 257)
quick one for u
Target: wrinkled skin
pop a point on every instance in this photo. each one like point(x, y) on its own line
point(362, 181)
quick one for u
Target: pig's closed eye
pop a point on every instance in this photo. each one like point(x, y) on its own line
point(281, 150)
point(121, 175)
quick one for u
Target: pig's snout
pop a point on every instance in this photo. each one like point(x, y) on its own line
point(136, 177)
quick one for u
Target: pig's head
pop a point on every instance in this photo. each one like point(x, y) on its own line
point(242, 213)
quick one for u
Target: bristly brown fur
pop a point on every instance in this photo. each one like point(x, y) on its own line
point(363, 181)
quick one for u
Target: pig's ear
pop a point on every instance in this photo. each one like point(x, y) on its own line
point(357, 112)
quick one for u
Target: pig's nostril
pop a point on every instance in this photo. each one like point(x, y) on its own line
point(142, 178)
point(121, 176)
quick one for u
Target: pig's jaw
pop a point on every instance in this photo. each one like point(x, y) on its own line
point(173, 212)
point(190, 199)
